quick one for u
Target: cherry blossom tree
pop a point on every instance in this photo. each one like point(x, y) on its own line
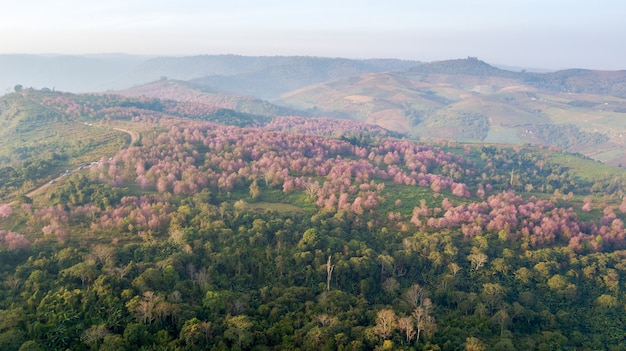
point(5, 210)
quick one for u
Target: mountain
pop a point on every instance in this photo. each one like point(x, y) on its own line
point(282, 74)
point(65, 72)
point(46, 133)
point(466, 99)
point(580, 81)
point(471, 66)
point(262, 76)
point(186, 92)
point(140, 223)
point(470, 100)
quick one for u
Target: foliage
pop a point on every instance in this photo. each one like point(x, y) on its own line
point(469, 100)
point(211, 236)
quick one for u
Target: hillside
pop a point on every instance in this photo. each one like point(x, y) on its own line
point(44, 133)
point(267, 76)
point(217, 231)
point(66, 73)
point(186, 92)
point(288, 73)
point(469, 100)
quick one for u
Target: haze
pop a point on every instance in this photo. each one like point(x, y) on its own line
point(555, 34)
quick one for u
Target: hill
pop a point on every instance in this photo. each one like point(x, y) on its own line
point(283, 74)
point(211, 231)
point(45, 133)
point(581, 81)
point(186, 92)
point(63, 72)
point(469, 100)
point(263, 75)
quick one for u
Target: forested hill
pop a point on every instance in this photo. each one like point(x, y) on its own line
point(268, 78)
point(233, 73)
point(469, 100)
point(44, 133)
point(191, 93)
point(581, 111)
point(306, 234)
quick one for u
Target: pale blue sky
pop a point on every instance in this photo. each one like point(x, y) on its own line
point(524, 33)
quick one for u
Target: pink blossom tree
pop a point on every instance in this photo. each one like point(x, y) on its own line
point(5, 211)
point(16, 241)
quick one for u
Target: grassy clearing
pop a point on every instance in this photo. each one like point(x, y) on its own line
point(273, 207)
point(411, 197)
point(587, 169)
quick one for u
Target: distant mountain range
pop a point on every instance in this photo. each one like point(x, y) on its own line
point(469, 100)
point(465, 99)
point(187, 92)
point(262, 76)
point(66, 73)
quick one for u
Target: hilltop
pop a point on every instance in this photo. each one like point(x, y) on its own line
point(262, 76)
point(188, 92)
point(162, 224)
point(470, 100)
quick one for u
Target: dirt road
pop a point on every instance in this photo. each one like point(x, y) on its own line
point(134, 137)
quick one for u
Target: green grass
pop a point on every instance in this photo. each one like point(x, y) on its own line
point(502, 135)
point(274, 207)
point(587, 169)
point(410, 197)
point(55, 146)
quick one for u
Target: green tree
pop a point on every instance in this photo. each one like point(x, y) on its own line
point(196, 333)
point(86, 272)
point(238, 330)
point(30, 345)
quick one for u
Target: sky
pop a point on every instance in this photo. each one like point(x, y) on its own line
point(551, 34)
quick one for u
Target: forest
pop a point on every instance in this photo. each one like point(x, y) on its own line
point(294, 233)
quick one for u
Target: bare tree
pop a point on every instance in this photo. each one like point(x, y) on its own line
point(501, 318)
point(386, 322)
point(424, 321)
point(478, 260)
point(312, 190)
point(329, 273)
point(325, 320)
point(238, 307)
point(103, 254)
point(254, 190)
point(415, 295)
point(269, 176)
point(12, 282)
point(407, 325)
point(473, 344)
point(454, 268)
point(94, 334)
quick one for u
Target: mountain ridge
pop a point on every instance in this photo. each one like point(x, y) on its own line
point(470, 100)
point(102, 72)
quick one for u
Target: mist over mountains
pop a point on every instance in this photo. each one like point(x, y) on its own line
point(66, 73)
point(462, 99)
point(204, 203)
point(239, 74)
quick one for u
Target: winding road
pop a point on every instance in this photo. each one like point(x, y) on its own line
point(134, 137)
